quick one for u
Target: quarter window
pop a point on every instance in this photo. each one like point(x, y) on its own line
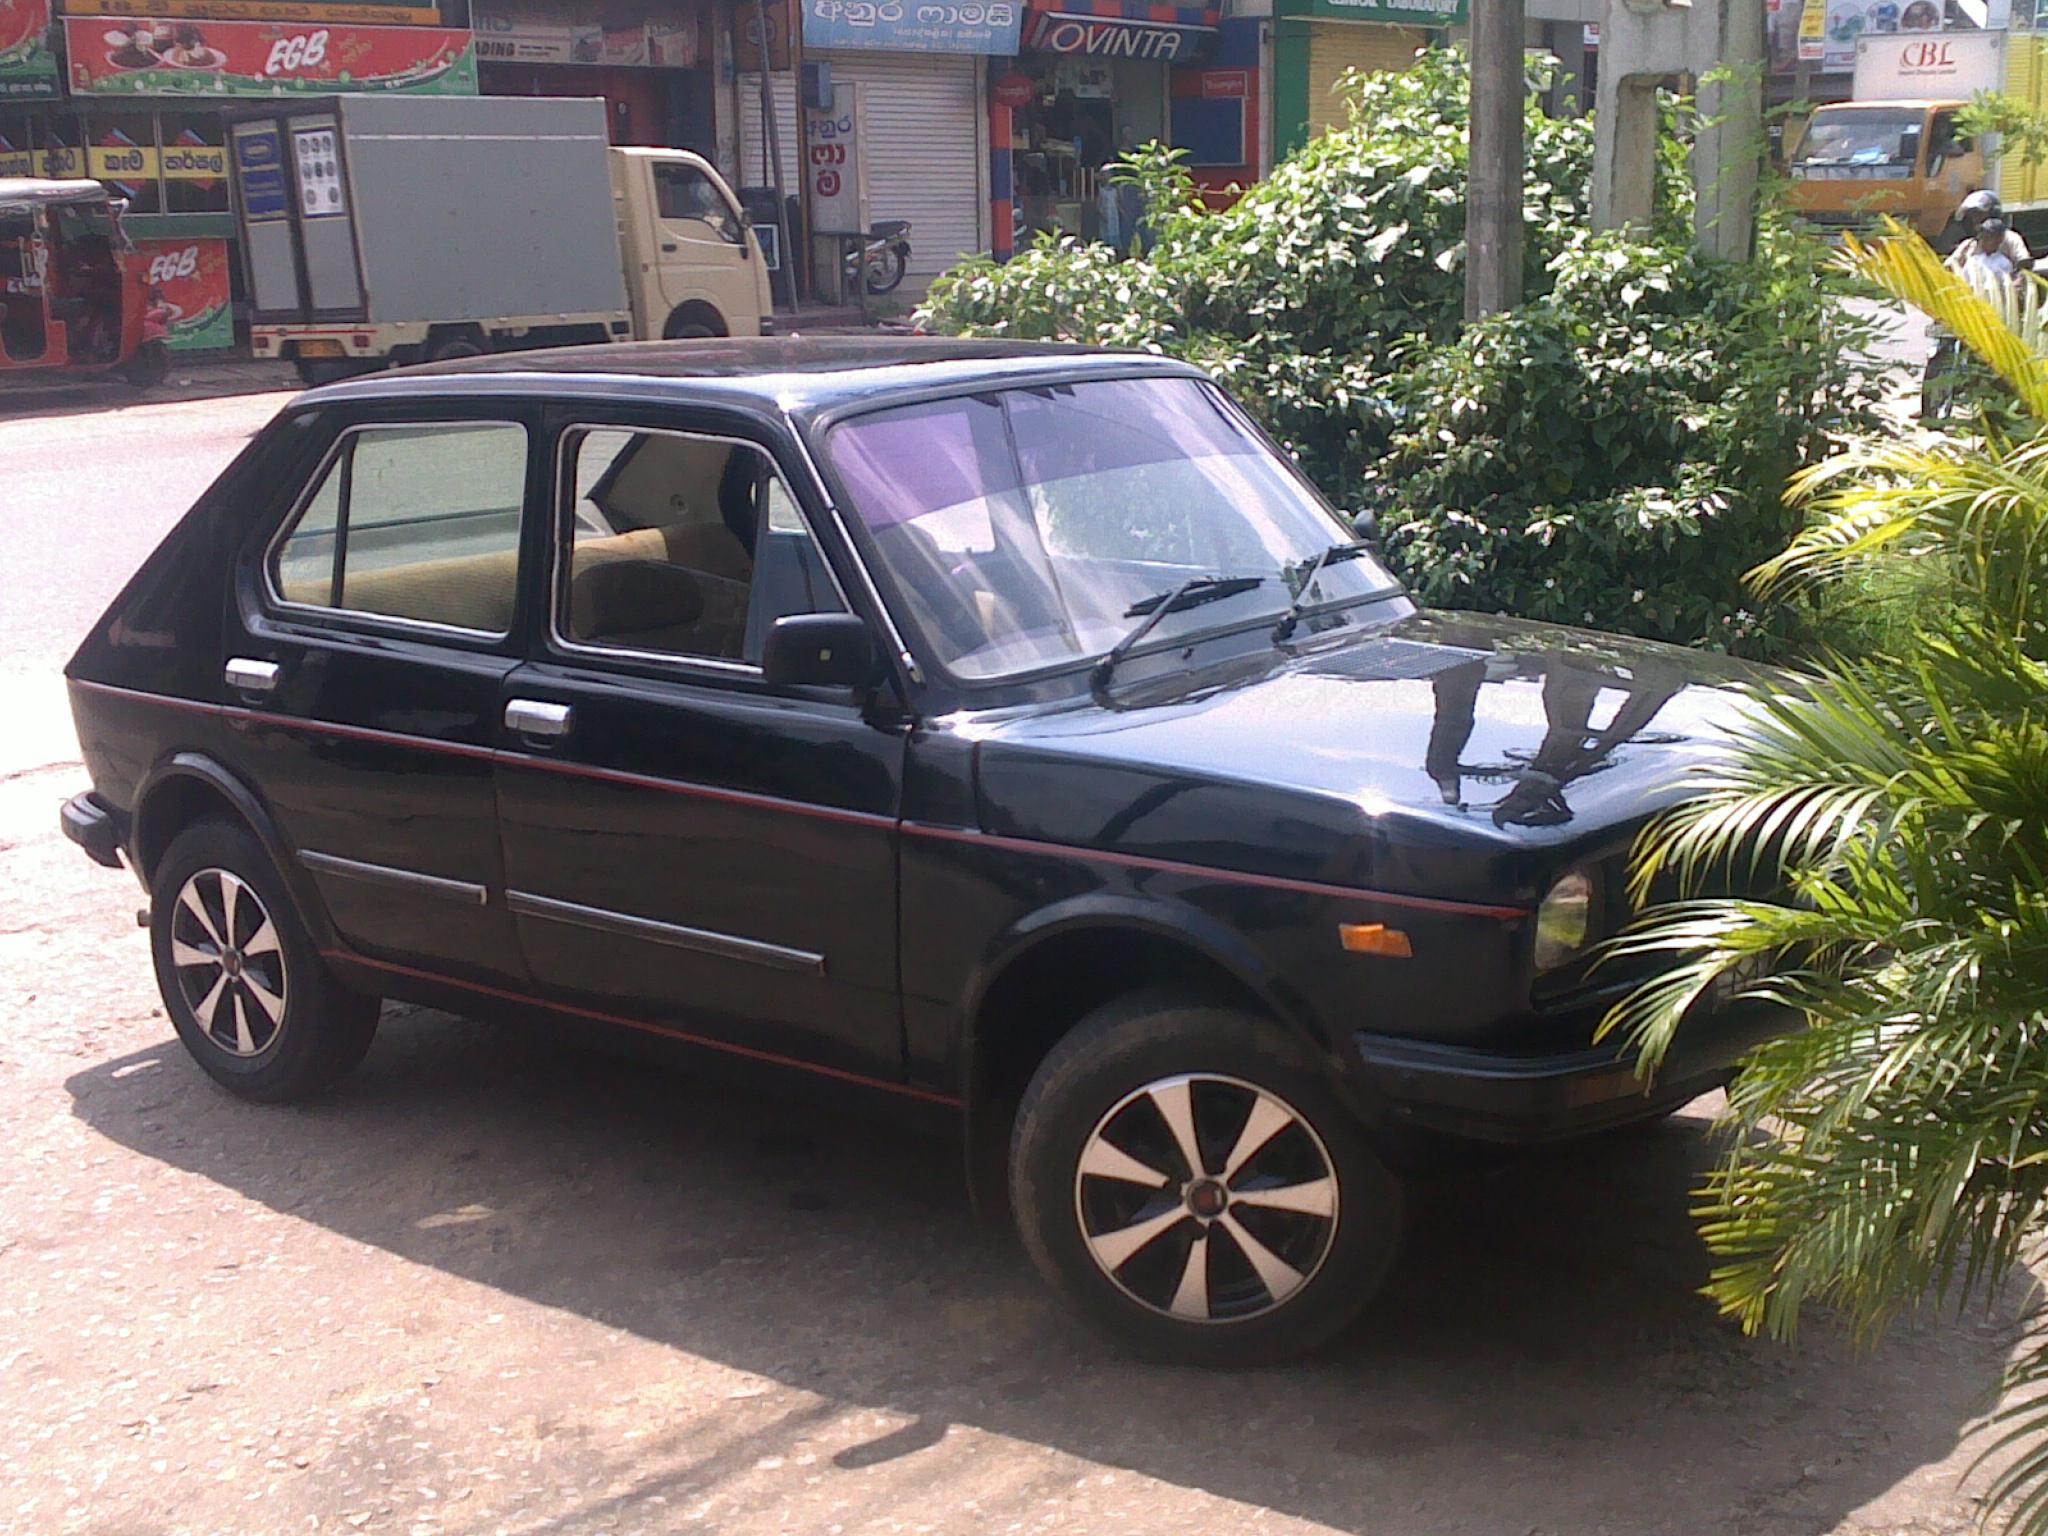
point(416, 523)
point(683, 546)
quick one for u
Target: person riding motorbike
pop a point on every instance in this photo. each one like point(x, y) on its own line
point(1971, 214)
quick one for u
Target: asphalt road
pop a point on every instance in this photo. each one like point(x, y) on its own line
point(506, 1282)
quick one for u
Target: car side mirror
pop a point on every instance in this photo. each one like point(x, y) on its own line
point(819, 650)
point(1366, 525)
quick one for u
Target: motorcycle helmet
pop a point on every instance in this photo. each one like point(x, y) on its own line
point(1976, 208)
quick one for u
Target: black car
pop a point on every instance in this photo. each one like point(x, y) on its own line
point(1006, 732)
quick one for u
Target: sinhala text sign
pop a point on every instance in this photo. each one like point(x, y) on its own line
point(122, 57)
point(915, 26)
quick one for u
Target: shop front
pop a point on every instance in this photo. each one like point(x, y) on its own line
point(146, 82)
point(650, 61)
point(897, 124)
point(1094, 79)
point(1315, 42)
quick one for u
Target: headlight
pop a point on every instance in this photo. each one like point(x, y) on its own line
point(1564, 920)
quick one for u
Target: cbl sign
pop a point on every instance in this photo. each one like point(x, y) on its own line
point(1117, 37)
point(1942, 65)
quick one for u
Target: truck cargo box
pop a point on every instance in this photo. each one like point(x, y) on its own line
point(415, 209)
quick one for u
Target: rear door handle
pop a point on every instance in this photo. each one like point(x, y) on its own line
point(537, 719)
point(251, 678)
point(668, 247)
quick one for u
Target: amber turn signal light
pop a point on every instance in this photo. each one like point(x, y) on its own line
point(1375, 939)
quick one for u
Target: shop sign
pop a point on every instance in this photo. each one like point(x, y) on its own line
point(915, 26)
point(55, 163)
point(1117, 37)
point(1226, 84)
point(749, 19)
point(261, 10)
point(1829, 30)
point(1013, 90)
point(28, 64)
point(113, 57)
point(188, 291)
point(532, 32)
point(832, 154)
point(1406, 13)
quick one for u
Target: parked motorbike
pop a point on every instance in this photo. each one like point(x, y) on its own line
point(882, 262)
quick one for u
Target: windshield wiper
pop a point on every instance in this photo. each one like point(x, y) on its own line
point(1192, 593)
point(1334, 555)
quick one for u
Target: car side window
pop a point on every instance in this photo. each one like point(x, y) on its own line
point(411, 522)
point(685, 192)
point(682, 545)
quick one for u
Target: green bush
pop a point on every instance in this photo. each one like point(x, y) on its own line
point(1610, 452)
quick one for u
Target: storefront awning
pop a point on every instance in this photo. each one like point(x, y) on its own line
point(1121, 29)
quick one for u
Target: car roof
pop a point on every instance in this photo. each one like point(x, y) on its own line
point(804, 375)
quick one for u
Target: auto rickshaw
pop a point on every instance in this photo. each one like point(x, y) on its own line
point(73, 292)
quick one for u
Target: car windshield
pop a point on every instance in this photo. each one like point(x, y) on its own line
point(1034, 527)
point(1860, 143)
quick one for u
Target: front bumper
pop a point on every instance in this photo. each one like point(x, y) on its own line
point(1494, 1096)
point(92, 824)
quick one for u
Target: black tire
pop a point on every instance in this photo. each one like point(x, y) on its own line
point(148, 366)
point(451, 348)
point(1113, 1073)
point(885, 269)
point(321, 1030)
point(690, 324)
point(315, 371)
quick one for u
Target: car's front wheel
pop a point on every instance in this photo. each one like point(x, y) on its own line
point(245, 988)
point(1190, 1182)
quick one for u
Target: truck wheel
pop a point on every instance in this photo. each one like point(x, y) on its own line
point(315, 371)
point(454, 347)
point(146, 369)
point(1190, 1183)
point(246, 990)
point(692, 322)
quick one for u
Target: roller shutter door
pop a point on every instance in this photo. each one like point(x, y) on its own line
point(922, 113)
point(1335, 46)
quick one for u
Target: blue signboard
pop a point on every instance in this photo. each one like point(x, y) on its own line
point(915, 26)
point(259, 160)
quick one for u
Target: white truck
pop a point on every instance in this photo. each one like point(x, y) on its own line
point(394, 229)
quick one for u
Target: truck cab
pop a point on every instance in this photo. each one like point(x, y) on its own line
point(1859, 159)
point(691, 263)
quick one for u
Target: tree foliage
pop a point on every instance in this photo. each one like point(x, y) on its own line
point(1895, 1151)
point(1611, 450)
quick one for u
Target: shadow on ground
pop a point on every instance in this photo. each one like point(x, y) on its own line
point(1541, 1361)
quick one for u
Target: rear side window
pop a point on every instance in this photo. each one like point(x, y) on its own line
point(413, 522)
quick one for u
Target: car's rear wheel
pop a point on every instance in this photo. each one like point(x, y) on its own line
point(1190, 1182)
point(246, 990)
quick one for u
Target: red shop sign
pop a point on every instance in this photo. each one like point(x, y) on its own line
point(1013, 90)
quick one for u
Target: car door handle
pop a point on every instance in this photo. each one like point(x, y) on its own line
point(538, 720)
point(251, 678)
point(668, 247)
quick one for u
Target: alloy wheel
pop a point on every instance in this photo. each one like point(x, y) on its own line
point(229, 962)
point(1206, 1198)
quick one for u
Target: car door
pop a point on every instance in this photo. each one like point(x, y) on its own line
point(372, 635)
point(701, 250)
point(685, 845)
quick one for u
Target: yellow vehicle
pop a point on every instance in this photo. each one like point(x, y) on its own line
point(1896, 146)
point(1859, 159)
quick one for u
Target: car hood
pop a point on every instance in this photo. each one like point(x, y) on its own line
point(1440, 754)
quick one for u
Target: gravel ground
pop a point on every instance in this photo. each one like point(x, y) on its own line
point(513, 1281)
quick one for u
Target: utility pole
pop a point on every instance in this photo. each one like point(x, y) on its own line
point(1493, 206)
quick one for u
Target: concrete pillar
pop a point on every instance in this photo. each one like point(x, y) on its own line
point(1642, 42)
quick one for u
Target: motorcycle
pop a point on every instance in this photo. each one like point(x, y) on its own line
point(882, 262)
